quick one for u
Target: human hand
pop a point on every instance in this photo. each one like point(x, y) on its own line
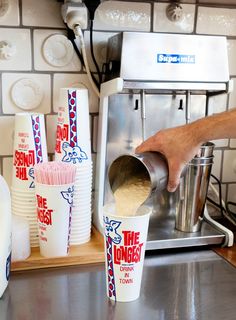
point(179, 145)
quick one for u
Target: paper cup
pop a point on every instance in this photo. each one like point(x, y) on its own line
point(73, 142)
point(125, 241)
point(22, 205)
point(54, 217)
point(29, 148)
point(23, 193)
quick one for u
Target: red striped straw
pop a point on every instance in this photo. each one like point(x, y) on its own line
point(54, 173)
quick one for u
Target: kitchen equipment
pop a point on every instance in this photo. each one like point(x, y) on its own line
point(192, 191)
point(5, 235)
point(156, 81)
point(150, 164)
point(191, 195)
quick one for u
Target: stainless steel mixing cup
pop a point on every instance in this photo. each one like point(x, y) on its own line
point(149, 165)
point(192, 191)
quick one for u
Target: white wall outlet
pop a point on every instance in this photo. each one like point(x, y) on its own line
point(75, 14)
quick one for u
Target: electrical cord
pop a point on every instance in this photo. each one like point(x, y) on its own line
point(92, 52)
point(233, 214)
point(221, 205)
point(78, 32)
point(71, 37)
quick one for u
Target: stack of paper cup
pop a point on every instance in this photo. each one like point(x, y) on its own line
point(29, 148)
point(73, 145)
point(54, 190)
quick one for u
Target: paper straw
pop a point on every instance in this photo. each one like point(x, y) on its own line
point(54, 173)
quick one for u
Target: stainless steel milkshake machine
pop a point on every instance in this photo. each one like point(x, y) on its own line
point(156, 81)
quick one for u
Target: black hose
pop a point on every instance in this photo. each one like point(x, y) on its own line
point(71, 37)
point(92, 53)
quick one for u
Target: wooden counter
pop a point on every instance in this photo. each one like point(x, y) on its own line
point(88, 253)
point(228, 254)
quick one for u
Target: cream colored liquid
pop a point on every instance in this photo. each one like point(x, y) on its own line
point(131, 194)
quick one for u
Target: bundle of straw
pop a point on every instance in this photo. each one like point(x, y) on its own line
point(54, 173)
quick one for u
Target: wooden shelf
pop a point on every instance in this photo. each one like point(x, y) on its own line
point(228, 254)
point(90, 252)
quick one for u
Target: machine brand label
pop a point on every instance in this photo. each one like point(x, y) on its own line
point(175, 58)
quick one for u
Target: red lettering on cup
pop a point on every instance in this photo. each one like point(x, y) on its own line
point(24, 159)
point(131, 251)
point(61, 135)
point(44, 214)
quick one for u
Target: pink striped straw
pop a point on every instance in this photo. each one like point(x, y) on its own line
point(54, 173)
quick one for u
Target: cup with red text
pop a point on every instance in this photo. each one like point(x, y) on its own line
point(29, 149)
point(54, 207)
point(73, 143)
point(125, 240)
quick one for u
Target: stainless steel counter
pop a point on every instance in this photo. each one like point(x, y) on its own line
point(197, 285)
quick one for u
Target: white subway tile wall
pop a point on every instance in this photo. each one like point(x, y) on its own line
point(18, 40)
point(9, 13)
point(6, 135)
point(216, 169)
point(123, 16)
point(100, 40)
point(232, 195)
point(218, 104)
point(42, 61)
point(21, 91)
point(216, 21)
point(53, 53)
point(63, 80)
point(232, 143)
point(229, 166)
point(43, 13)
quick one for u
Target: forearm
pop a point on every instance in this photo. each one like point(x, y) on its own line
point(218, 126)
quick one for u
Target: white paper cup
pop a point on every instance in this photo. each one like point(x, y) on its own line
point(73, 142)
point(26, 201)
point(28, 205)
point(20, 199)
point(31, 217)
point(81, 224)
point(54, 216)
point(22, 192)
point(84, 205)
point(27, 211)
point(125, 240)
point(81, 240)
point(29, 148)
point(82, 217)
point(80, 233)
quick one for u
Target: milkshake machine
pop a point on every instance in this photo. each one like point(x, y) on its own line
point(156, 81)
